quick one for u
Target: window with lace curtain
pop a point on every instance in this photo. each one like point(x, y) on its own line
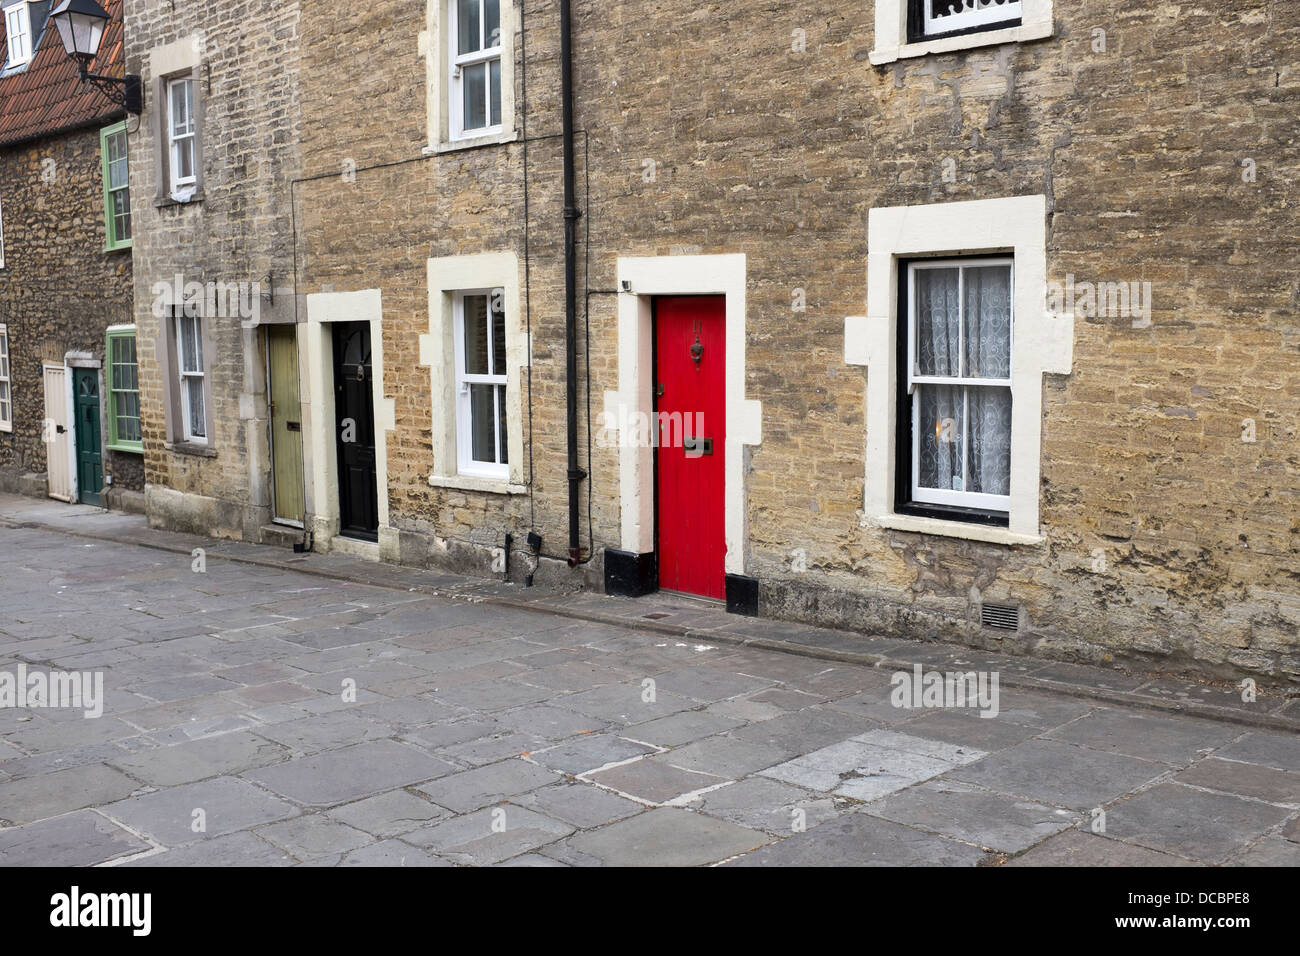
point(955, 398)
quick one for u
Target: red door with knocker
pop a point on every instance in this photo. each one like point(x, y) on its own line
point(690, 402)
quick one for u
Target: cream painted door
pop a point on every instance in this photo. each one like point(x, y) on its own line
point(56, 433)
point(286, 423)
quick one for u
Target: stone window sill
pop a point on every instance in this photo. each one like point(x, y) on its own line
point(161, 202)
point(189, 448)
point(958, 529)
point(969, 41)
point(469, 483)
point(455, 145)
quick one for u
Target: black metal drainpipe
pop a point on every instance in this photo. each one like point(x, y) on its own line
point(571, 214)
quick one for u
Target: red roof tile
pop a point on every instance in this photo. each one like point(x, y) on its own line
point(47, 97)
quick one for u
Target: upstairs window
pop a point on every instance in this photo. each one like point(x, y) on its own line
point(117, 191)
point(930, 19)
point(955, 401)
point(18, 32)
point(181, 141)
point(475, 63)
point(481, 380)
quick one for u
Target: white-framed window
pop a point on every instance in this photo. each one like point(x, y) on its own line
point(913, 28)
point(931, 18)
point(959, 327)
point(474, 63)
point(18, 33)
point(181, 130)
point(482, 441)
point(6, 387)
point(1041, 342)
point(189, 365)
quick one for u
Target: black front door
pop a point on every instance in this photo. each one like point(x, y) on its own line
point(355, 431)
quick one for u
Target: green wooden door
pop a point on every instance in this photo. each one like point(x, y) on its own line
point(286, 422)
point(90, 459)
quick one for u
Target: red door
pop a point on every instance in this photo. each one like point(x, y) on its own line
point(690, 380)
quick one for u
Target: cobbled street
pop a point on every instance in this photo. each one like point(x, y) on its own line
point(255, 715)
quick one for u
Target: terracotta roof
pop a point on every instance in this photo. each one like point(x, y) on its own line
point(47, 97)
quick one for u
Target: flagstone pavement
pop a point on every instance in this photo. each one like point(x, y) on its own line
point(264, 714)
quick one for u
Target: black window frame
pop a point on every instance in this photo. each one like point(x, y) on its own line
point(903, 434)
point(916, 25)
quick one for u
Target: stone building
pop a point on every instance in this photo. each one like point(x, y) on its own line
point(212, 166)
point(69, 401)
point(956, 322)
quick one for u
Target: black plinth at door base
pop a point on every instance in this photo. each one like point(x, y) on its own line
point(742, 595)
point(630, 575)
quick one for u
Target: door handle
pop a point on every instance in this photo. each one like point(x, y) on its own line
point(697, 447)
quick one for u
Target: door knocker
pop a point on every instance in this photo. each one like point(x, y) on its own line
point(697, 350)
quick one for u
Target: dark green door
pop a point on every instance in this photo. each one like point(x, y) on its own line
point(90, 462)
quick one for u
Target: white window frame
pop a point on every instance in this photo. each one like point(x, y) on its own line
point(6, 381)
point(457, 62)
point(449, 275)
point(962, 499)
point(187, 138)
point(466, 463)
point(1014, 226)
point(18, 42)
point(183, 376)
point(892, 44)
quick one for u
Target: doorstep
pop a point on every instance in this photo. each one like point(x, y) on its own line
point(687, 619)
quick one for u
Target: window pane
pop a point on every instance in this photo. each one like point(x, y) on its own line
point(939, 431)
point(180, 104)
point(194, 388)
point(476, 345)
point(483, 422)
point(191, 345)
point(495, 92)
point(988, 322)
point(183, 158)
point(468, 24)
point(989, 470)
point(474, 81)
point(491, 24)
point(498, 343)
point(501, 422)
point(938, 318)
point(121, 215)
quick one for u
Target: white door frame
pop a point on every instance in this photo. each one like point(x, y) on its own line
point(641, 279)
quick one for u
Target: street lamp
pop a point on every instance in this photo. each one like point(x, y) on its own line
point(81, 25)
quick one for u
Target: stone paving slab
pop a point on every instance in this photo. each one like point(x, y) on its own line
point(83, 838)
point(1208, 827)
point(856, 839)
point(974, 815)
point(1060, 774)
point(666, 837)
point(228, 804)
point(339, 776)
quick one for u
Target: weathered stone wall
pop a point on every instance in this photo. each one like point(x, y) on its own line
point(59, 289)
point(1170, 541)
point(239, 232)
